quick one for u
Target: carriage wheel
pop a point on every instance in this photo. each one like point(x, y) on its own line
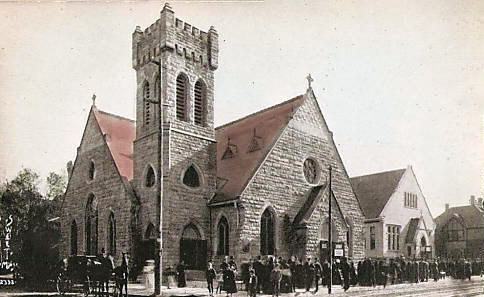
point(87, 286)
point(61, 284)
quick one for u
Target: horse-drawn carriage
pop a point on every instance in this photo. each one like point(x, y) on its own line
point(91, 275)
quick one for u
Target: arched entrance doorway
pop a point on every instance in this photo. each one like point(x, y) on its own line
point(149, 243)
point(337, 246)
point(267, 246)
point(193, 249)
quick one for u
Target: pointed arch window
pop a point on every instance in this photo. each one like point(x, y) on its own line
point(92, 171)
point(200, 103)
point(112, 234)
point(223, 237)
point(191, 177)
point(150, 177)
point(181, 97)
point(147, 103)
point(91, 225)
point(267, 233)
point(73, 237)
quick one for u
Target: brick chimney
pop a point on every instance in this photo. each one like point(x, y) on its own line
point(446, 206)
point(472, 200)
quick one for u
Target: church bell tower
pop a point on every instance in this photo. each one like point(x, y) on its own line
point(175, 63)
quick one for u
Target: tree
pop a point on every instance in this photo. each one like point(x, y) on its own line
point(34, 236)
point(56, 185)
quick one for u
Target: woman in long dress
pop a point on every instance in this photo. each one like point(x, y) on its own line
point(231, 286)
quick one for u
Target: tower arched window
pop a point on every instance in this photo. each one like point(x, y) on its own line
point(112, 234)
point(267, 233)
point(181, 97)
point(150, 177)
point(200, 103)
point(91, 225)
point(147, 103)
point(223, 237)
point(73, 237)
point(191, 178)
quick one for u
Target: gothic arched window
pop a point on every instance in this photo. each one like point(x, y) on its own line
point(92, 171)
point(181, 97)
point(150, 177)
point(223, 237)
point(200, 103)
point(147, 103)
point(112, 234)
point(73, 237)
point(191, 177)
point(267, 233)
point(91, 225)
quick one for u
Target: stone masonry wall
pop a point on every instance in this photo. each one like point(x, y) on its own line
point(183, 205)
point(107, 187)
point(280, 184)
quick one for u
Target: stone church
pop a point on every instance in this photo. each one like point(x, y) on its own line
point(254, 186)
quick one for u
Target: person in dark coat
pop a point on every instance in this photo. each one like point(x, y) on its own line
point(180, 271)
point(210, 275)
point(467, 270)
point(230, 285)
point(326, 272)
point(259, 271)
point(252, 284)
point(276, 277)
point(292, 267)
point(309, 274)
point(318, 270)
point(353, 276)
point(345, 273)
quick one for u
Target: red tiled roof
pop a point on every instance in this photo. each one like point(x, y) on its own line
point(120, 133)
point(471, 215)
point(266, 125)
point(374, 190)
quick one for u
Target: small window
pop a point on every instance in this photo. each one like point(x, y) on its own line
point(372, 238)
point(191, 177)
point(200, 103)
point(150, 177)
point(311, 171)
point(92, 171)
point(181, 97)
point(223, 237)
point(147, 103)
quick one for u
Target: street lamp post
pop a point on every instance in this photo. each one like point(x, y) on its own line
point(159, 212)
point(330, 244)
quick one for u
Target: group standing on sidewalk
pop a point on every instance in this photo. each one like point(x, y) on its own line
point(276, 275)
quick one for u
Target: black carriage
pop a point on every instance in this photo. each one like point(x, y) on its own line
point(86, 274)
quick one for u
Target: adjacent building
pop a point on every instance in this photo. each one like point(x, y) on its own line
point(255, 186)
point(460, 231)
point(398, 221)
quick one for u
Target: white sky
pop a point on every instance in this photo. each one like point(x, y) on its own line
point(399, 82)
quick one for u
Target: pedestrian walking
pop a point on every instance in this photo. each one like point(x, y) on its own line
point(276, 277)
point(210, 275)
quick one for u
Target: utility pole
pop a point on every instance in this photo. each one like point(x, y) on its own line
point(159, 203)
point(330, 243)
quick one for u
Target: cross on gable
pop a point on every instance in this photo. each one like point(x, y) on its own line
point(310, 80)
point(93, 99)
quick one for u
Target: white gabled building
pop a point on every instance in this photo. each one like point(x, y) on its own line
point(398, 221)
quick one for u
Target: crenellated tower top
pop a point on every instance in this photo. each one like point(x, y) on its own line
point(172, 34)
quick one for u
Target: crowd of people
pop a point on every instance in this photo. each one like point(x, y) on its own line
point(275, 275)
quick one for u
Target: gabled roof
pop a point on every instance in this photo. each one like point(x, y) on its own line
point(263, 128)
point(119, 133)
point(312, 200)
point(412, 229)
point(471, 215)
point(374, 190)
